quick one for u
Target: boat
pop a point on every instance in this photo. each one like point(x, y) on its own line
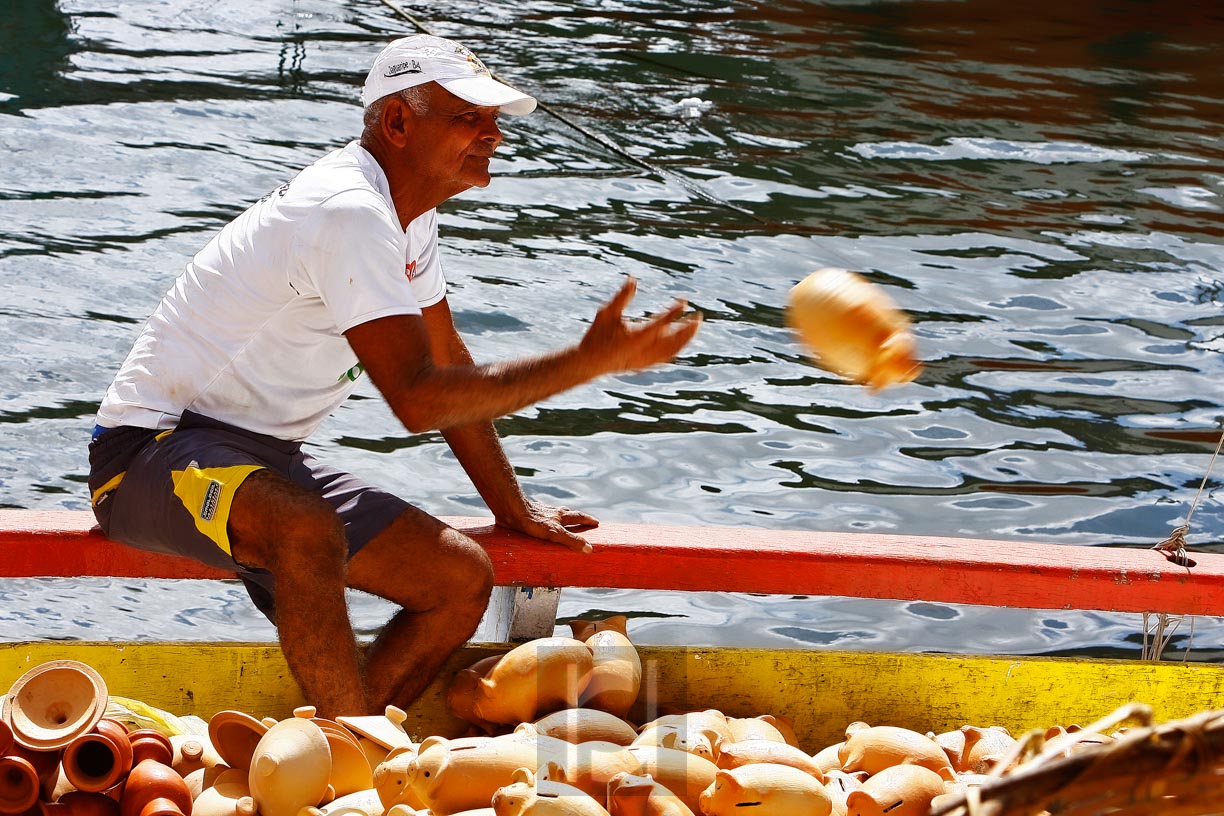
point(820, 691)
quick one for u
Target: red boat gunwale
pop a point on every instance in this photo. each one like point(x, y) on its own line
point(65, 543)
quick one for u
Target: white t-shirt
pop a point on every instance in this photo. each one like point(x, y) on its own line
point(252, 333)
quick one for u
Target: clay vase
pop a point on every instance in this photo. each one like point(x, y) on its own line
point(900, 790)
point(616, 673)
point(589, 767)
point(19, 785)
point(769, 790)
point(99, 760)
point(531, 680)
point(754, 728)
point(736, 754)
point(853, 328)
point(53, 703)
point(154, 789)
point(524, 796)
point(684, 774)
point(150, 744)
point(878, 747)
point(585, 725)
point(229, 795)
point(290, 768)
point(635, 795)
point(80, 803)
point(234, 736)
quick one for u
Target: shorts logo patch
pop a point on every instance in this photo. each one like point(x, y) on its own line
point(208, 507)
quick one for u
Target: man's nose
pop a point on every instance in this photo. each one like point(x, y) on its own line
point(492, 134)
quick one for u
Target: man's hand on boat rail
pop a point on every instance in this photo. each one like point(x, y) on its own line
point(549, 523)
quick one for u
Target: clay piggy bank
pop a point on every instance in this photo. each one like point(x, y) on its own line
point(901, 790)
point(536, 678)
point(391, 779)
point(682, 773)
point(710, 720)
point(878, 747)
point(735, 754)
point(838, 785)
point(853, 328)
point(691, 738)
point(616, 673)
point(586, 724)
point(450, 776)
point(975, 750)
point(766, 790)
point(632, 795)
point(746, 728)
point(524, 796)
point(589, 767)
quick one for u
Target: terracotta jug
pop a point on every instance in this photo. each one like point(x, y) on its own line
point(769, 790)
point(392, 777)
point(228, 795)
point(80, 803)
point(878, 747)
point(853, 328)
point(234, 735)
point(616, 673)
point(589, 767)
point(531, 680)
point(586, 724)
point(899, 790)
point(637, 795)
point(736, 754)
point(684, 774)
point(154, 789)
point(99, 760)
point(525, 796)
point(290, 768)
point(148, 743)
point(53, 703)
point(46, 765)
point(19, 785)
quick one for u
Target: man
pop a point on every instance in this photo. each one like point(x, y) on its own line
point(336, 274)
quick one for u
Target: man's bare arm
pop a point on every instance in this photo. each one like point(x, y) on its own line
point(396, 352)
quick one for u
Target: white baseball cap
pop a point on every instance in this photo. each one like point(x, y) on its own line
point(411, 61)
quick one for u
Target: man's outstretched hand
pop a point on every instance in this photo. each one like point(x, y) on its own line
point(551, 524)
point(617, 344)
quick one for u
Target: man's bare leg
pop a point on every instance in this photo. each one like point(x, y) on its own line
point(441, 579)
point(284, 528)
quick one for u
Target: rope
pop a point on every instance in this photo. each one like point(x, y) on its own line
point(602, 140)
point(1157, 636)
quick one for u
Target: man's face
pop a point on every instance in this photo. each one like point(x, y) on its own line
point(453, 141)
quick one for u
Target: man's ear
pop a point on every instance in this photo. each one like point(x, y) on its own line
point(397, 122)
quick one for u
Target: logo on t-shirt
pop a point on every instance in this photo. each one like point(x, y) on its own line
point(410, 270)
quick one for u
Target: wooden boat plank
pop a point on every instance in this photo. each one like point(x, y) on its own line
point(642, 556)
point(820, 691)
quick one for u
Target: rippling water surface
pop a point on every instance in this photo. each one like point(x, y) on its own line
point(1040, 188)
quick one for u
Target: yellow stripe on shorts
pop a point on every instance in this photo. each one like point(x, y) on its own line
point(207, 493)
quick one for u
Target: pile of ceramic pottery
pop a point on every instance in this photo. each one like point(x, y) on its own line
point(551, 739)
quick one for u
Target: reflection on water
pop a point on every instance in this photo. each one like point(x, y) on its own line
point(1039, 188)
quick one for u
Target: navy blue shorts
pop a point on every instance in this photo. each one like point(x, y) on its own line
point(170, 492)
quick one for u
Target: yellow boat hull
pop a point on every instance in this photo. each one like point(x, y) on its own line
point(819, 691)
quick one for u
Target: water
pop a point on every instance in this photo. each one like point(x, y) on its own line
point(1039, 188)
